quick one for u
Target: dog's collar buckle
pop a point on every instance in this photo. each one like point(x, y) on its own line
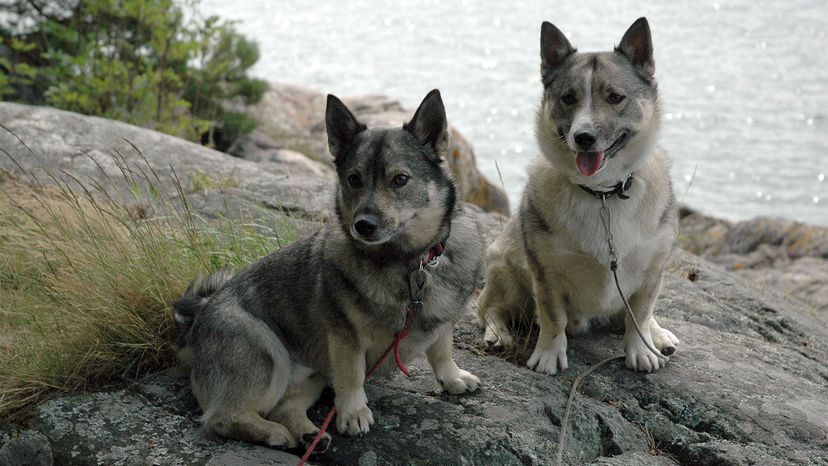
point(619, 189)
point(433, 256)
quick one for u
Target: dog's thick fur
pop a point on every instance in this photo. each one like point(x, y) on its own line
point(554, 249)
point(264, 342)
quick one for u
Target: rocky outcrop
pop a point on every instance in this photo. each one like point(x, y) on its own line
point(37, 139)
point(748, 385)
point(260, 148)
point(293, 117)
point(783, 254)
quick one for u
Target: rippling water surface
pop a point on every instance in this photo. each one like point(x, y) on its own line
point(744, 84)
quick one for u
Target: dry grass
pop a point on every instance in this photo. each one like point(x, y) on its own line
point(87, 275)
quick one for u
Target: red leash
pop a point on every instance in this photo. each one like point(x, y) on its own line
point(395, 347)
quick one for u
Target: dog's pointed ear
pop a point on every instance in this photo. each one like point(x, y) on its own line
point(637, 46)
point(429, 124)
point(554, 47)
point(341, 124)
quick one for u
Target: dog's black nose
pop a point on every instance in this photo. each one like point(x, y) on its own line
point(366, 224)
point(584, 139)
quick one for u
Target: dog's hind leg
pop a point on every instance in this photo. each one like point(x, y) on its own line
point(493, 306)
point(292, 411)
point(241, 370)
point(252, 427)
point(497, 332)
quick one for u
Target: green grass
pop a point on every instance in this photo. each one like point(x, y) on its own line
point(88, 273)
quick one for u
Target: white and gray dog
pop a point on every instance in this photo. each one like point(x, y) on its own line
point(596, 127)
point(263, 343)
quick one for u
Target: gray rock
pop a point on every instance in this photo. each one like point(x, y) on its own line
point(747, 386)
point(259, 147)
point(787, 255)
point(94, 149)
point(293, 117)
point(30, 448)
point(805, 278)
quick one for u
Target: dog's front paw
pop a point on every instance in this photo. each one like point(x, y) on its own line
point(464, 382)
point(639, 357)
point(354, 421)
point(665, 341)
point(549, 356)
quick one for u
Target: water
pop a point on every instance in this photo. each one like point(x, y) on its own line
point(744, 84)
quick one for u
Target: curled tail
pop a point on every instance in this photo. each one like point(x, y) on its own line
point(191, 303)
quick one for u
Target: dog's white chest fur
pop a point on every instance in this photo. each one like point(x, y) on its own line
point(578, 258)
point(570, 242)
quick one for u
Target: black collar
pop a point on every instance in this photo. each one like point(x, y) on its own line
point(620, 189)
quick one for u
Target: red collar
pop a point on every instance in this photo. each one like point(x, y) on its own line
point(432, 257)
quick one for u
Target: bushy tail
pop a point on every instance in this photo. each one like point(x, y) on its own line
point(191, 303)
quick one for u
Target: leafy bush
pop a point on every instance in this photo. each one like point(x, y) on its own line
point(152, 63)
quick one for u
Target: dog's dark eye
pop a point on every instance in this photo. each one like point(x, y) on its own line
point(569, 99)
point(400, 180)
point(614, 98)
point(354, 181)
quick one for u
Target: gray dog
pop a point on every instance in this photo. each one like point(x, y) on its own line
point(263, 343)
point(601, 174)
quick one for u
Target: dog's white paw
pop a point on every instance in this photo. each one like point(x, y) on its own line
point(498, 335)
point(665, 341)
point(550, 356)
point(639, 357)
point(464, 382)
point(354, 421)
point(280, 437)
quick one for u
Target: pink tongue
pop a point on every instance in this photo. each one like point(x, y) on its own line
point(589, 162)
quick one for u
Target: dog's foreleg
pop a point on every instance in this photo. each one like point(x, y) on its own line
point(450, 377)
point(348, 373)
point(639, 356)
point(550, 351)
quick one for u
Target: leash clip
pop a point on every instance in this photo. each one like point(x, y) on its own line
point(434, 262)
point(417, 282)
point(416, 306)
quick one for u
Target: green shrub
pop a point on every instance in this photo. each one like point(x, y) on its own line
point(152, 63)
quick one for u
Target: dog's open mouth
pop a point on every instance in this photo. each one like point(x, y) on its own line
point(591, 162)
